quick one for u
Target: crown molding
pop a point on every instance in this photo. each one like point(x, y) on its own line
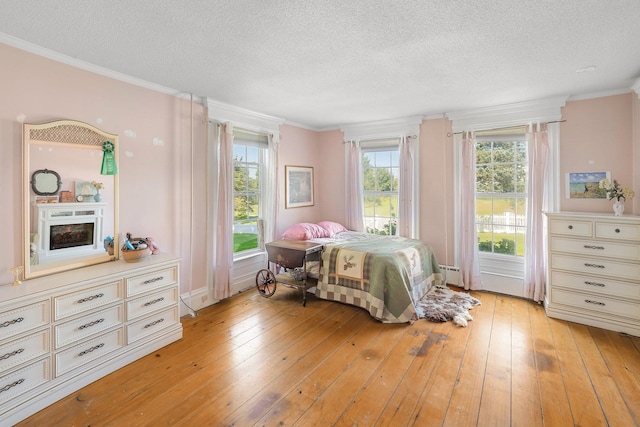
point(544, 110)
point(74, 62)
point(382, 128)
point(241, 117)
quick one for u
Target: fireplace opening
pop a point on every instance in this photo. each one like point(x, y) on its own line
point(70, 235)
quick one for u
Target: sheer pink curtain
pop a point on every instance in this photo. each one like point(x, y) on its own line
point(223, 221)
point(405, 205)
point(468, 247)
point(535, 265)
point(353, 195)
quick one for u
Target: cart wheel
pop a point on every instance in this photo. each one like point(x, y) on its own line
point(266, 283)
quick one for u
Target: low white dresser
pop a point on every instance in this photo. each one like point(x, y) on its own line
point(594, 270)
point(61, 332)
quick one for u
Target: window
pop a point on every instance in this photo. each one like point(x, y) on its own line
point(249, 157)
point(501, 187)
point(380, 178)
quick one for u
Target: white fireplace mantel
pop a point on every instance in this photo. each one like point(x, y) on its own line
point(47, 215)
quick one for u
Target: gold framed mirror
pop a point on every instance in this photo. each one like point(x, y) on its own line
point(70, 224)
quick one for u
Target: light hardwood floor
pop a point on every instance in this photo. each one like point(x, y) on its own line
point(256, 361)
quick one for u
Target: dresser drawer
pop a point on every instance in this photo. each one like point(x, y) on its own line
point(87, 299)
point(604, 286)
point(596, 248)
point(569, 227)
point(85, 326)
point(25, 379)
point(597, 266)
point(14, 322)
point(23, 350)
point(618, 231)
point(151, 281)
point(597, 303)
point(152, 324)
point(88, 351)
point(149, 303)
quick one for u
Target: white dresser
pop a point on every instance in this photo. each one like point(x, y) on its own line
point(61, 332)
point(594, 270)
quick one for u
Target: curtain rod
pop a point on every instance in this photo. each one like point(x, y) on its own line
point(450, 134)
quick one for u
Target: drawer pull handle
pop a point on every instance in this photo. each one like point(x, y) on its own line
point(617, 230)
point(13, 353)
point(155, 279)
point(13, 384)
point(155, 322)
point(586, 264)
point(89, 350)
point(11, 322)
point(594, 247)
point(571, 227)
point(92, 297)
point(155, 301)
point(602, 285)
point(90, 324)
point(594, 302)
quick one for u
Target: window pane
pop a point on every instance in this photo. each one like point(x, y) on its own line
point(484, 179)
point(239, 207)
point(245, 236)
point(521, 178)
point(253, 154)
point(369, 205)
point(521, 152)
point(383, 159)
point(384, 179)
point(483, 153)
point(253, 183)
point(239, 153)
point(503, 152)
point(239, 179)
point(504, 178)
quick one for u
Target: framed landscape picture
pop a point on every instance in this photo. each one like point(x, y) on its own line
point(298, 186)
point(585, 185)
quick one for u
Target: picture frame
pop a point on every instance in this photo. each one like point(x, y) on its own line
point(585, 185)
point(298, 186)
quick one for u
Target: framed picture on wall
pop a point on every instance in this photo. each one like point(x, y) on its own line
point(298, 186)
point(586, 185)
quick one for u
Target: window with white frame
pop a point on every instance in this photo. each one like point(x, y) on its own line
point(501, 193)
point(380, 180)
point(249, 160)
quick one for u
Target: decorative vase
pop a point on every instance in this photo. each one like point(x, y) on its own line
point(618, 207)
point(97, 197)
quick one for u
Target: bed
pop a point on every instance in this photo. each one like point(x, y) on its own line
point(385, 275)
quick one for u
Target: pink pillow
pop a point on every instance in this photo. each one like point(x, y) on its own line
point(304, 231)
point(332, 227)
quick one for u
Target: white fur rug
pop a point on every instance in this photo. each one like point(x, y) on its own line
point(441, 304)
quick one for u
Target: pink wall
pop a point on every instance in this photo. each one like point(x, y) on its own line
point(597, 137)
point(152, 201)
point(436, 187)
point(299, 147)
point(156, 179)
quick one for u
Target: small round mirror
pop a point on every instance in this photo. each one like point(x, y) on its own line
point(45, 182)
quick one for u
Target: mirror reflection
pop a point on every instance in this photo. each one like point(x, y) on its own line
point(67, 218)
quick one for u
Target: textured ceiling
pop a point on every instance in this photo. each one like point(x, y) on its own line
point(325, 63)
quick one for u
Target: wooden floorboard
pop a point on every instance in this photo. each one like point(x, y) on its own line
point(272, 362)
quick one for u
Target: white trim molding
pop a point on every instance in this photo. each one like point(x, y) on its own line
point(83, 65)
point(546, 110)
point(382, 129)
point(636, 87)
point(246, 119)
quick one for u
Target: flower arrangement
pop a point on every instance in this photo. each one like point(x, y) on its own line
point(615, 191)
point(97, 185)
